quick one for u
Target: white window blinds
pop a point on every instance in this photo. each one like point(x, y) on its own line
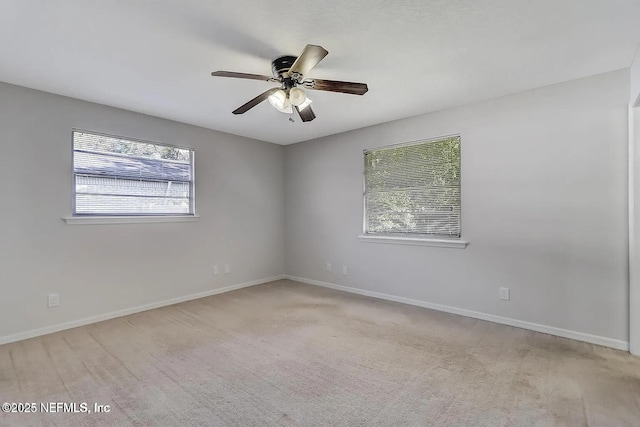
point(116, 176)
point(413, 189)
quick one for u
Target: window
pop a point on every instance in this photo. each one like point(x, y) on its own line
point(117, 176)
point(413, 190)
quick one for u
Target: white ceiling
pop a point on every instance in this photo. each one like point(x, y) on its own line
point(417, 56)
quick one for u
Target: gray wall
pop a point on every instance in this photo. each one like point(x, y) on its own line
point(634, 230)
point(634, 207)
point(99, 269)
point(634, 97)
point(544, 206)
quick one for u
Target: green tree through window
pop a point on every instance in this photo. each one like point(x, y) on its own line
point(414, 189)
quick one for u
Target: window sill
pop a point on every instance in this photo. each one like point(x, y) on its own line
point(415, 241)
point(100, 220)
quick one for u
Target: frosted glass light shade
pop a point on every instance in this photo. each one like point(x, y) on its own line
point(297, 96)
point(286, 107)
point(278, 99)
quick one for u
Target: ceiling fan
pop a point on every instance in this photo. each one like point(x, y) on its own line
point(290, 72)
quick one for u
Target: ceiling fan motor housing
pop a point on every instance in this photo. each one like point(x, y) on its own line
point(281, 65)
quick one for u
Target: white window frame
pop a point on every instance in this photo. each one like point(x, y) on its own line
point(116, 218)
point(401, 238)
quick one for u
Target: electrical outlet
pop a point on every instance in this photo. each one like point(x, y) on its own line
point(53, 301)
point(329, 267)
point(216, 270)
point(504, 294)
point(344, 270)
point(227, 269)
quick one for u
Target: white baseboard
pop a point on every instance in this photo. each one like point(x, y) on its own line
point(565, 333)
point(127, 311)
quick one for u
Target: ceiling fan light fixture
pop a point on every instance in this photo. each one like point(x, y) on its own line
point(297, 96)
point(277, 99)
point(286, 108)
point(280, 101)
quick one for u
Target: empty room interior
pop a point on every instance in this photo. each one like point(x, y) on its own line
point(320, 213)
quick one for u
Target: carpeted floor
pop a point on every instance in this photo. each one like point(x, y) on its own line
point(284, 353)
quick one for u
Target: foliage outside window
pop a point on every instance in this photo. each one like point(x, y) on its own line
point(117, 176)
point(413, 189)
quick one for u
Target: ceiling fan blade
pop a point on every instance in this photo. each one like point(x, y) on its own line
point(255, 101)
point(337, 86)
point(308, 59)
point(243, 76)
point(306, 114)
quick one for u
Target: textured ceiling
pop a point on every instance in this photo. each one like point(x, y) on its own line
point(155, 57)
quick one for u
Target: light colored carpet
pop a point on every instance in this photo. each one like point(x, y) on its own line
point(290, 354)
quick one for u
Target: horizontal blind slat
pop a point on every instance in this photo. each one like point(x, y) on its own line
point(108, 165)
point(107, 204)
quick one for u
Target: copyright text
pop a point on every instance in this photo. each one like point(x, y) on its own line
point(55, 407)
